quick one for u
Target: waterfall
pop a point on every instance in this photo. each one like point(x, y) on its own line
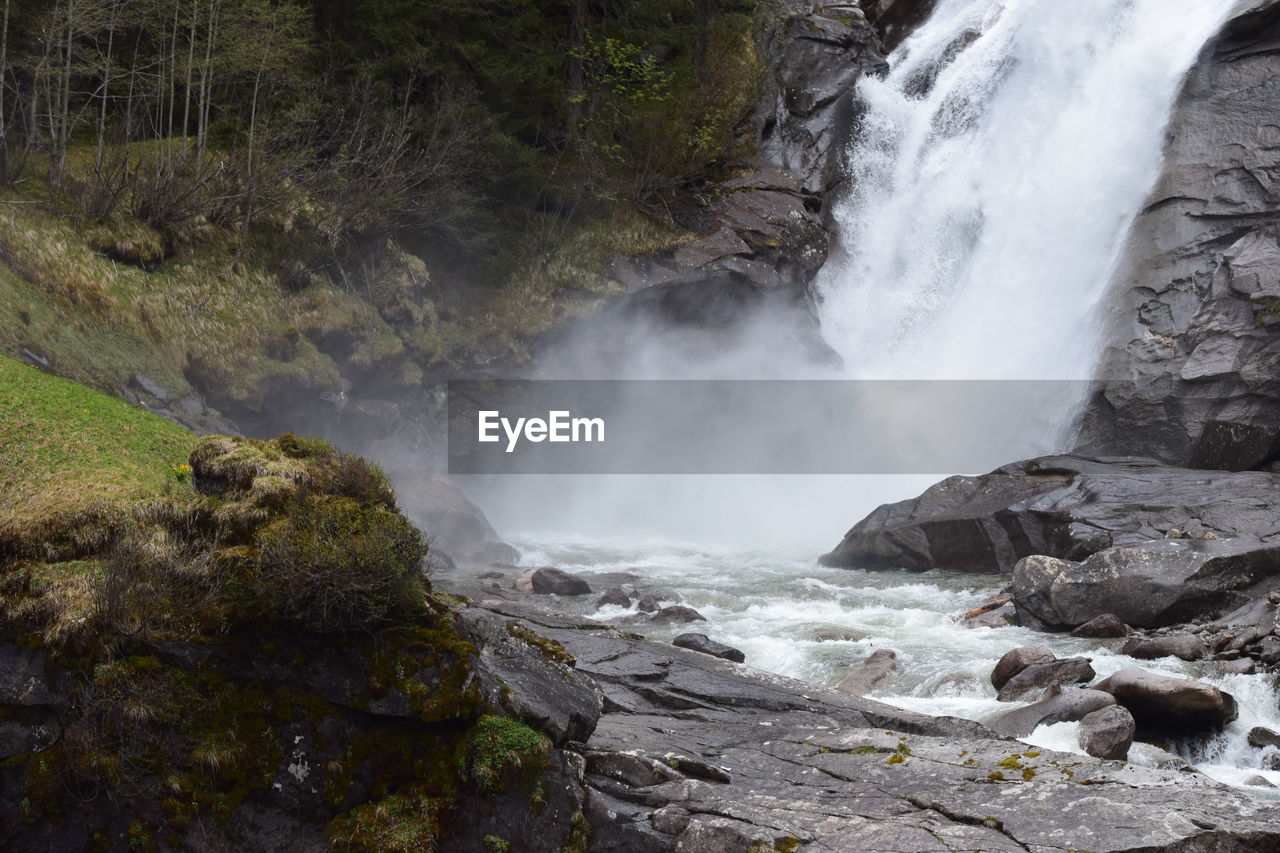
point(994, 173)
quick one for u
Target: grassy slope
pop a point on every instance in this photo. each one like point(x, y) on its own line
point(64, 447)
point(229, 322)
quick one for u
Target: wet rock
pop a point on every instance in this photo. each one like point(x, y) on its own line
point(1186, 647)
point(873, 672)
point(1016, 660)
point(1258, 782)
point(649, 603)
point(837, 635)
point(703, 643)
point(1039, 676)
point(677, 614)
point(1107, 733)
point(960, 683)
point(1067, 507)
point(1242, 666)
point(1062, 707)
point(1002, 617)
point(1106, 626)
point(1156, 584)
point(1261, 736)
point(1192, 334)
point(1163, 704)
point(549, 581)
point(813, 764)
point(615, 597)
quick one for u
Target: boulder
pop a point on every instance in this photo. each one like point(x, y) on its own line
point(1062, 707)
point(1167, 705)
point(869, 674)
point(958, 683)
point(676, 614)
point(1107, 733)
point(549, 581)
point(1261, 736)
point(1186, 647)
point(649, 603)
point(614, 597)
point(1068, 507)
point(1017, 660)
point(1106, 626)
point(1150, 585)
point(703, 643)
point(1039, 676)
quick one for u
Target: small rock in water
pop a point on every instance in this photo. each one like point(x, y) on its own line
point(1270, 759)
point(1107, 733)
point(649, 603)
point(675, 615)
point(837, 635)
point(1261, 736)
point(1186, 647)
point(959, 683)
point(491, 576)
point(615, 597)
point(1002, 617)
point(549, 581)
point(1039, 676)
point(1258, 782)
point(870, 673)
point(1017, 660)
point(1106, 626)
point(1242, 666)
point(1065, 707)
point(706, 645)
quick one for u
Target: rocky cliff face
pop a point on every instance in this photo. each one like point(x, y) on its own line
point(763, 231)
point(1194, 367)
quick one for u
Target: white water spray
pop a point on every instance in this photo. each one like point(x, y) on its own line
point(995, 173)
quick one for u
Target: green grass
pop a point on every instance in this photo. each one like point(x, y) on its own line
point(65, 448)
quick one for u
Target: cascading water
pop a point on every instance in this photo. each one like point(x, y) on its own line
point(995, 170)
point(994, 173)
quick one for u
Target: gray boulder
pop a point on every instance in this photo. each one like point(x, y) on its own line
point(1106, 626)
point(873, 672)
point(1068, 507)
point(677, 614)
point(1149, 585)
point(614, 597)
point(1261, 736)
point(706, 645)
point(1039, 676)
point(1062, 707)
point(1016, 660)
point(1165, 705)
point(1186, 647)
point(1107, 733)
point(550, 581)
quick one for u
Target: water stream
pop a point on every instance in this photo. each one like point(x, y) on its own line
point(995, 171)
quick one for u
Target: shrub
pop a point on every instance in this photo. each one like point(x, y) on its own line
point(503, 754)
point(339, 563)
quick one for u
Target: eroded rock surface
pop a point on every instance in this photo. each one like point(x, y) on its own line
point(700, 755)
point(1192, 366)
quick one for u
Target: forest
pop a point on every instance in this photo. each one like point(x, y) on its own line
point(479, 132)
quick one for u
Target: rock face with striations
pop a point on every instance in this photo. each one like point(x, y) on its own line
point(762, 234)
point(1194, 364)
